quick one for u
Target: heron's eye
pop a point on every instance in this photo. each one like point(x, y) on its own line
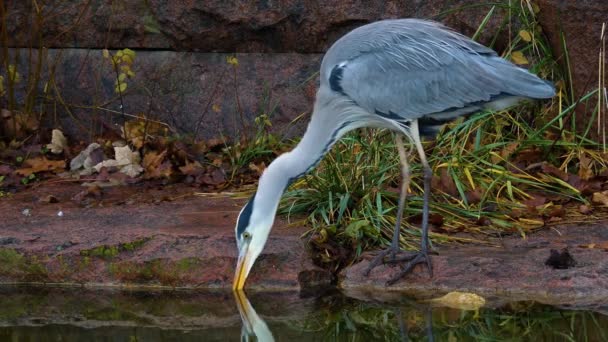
point(246, 235)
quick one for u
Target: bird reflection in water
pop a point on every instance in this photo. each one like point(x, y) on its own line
point(253, 325)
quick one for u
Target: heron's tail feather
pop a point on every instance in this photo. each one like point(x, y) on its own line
point(520, 82)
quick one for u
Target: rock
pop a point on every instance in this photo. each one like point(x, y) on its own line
point(214, 25)
point(515, 271)
point(581, 24)
point(299, 25)
point(187, 243)
point(196, 94)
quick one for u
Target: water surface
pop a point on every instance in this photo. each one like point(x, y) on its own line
point(69, 314)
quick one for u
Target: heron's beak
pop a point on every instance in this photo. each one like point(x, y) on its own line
point(241, 272)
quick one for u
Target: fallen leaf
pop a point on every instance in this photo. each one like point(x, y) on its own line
point(554, 171)
point(461, 300)
point(215, 177)
point(49, 199)
point(192, 169)
point(600, 198)
point(518, 58)
point(257, 168)
point(585, 171)
point(40, 164)
point(585, 209)
point(535, 201)
point(58, 142)
point(154, 166)
point(525, 36)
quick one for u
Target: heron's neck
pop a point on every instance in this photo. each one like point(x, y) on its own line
point(323, 130)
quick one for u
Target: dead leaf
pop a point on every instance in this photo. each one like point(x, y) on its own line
point(17, 125)
point(58, 142)
point(40, 164)
point(215, 177)
point(192, 169)
point(49, 199)
point(444, 183)
point(585, 171)
point(525, 36)
point(586, 187)
point(585, 209)
point(257, 168)
point(154, 166)
point(535, 201)
point(600, 198)
point(518, 58)
point(461, 300)
point(554, 171)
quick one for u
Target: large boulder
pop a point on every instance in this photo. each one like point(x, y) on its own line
point(226, 26)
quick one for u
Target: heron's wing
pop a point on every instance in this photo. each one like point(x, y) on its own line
point(436, 75)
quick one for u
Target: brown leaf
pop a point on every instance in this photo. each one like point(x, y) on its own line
point(17, 125)
point(445, 183)
point(584, 170)
point(216, 144)
point(192, 169)
point(474, 196)
point(535, 201)
point(600, 198)
point(49, 199)
point(557, 211)
point(155, 167)
point(508, 150)
point(554, 171)
point(586, 187)
point(40, 164)
point(585, 209)
point(215, 177)
point(257, 168)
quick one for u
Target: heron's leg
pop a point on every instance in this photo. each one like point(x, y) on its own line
point(423, 255)
point(405, 184)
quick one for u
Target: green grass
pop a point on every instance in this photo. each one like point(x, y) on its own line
point(485, 168)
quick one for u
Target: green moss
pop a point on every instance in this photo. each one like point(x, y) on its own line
point(110, 252)
point(163, 272)
point(16, 265)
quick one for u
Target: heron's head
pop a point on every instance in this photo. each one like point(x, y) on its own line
point(252, 229)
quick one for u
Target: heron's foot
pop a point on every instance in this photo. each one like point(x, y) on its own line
point(412, 259)
point(391, 252)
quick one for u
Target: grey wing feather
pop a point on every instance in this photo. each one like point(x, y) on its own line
point(414, 68)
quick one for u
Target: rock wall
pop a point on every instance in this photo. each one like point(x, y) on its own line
point(182, 77)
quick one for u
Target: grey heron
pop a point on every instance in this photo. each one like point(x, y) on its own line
point(411, 76)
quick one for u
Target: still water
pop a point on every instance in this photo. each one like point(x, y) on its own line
point(51, 314)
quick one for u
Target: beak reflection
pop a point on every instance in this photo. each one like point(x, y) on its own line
point(253, 325)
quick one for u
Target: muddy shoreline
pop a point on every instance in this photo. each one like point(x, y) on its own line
point(147, 237)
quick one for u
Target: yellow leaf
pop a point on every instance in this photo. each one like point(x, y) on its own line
point(461, 300)
point(525, 35)
point(232, 60)
point(130, 73)
point(119, 54)
point(122, 77)
point(129, 52)
point(216, 108)
point(518, 57)
point(127, 59)
point(120, 88)
point(105, 53)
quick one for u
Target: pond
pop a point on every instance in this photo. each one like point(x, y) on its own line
point(71, 314)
